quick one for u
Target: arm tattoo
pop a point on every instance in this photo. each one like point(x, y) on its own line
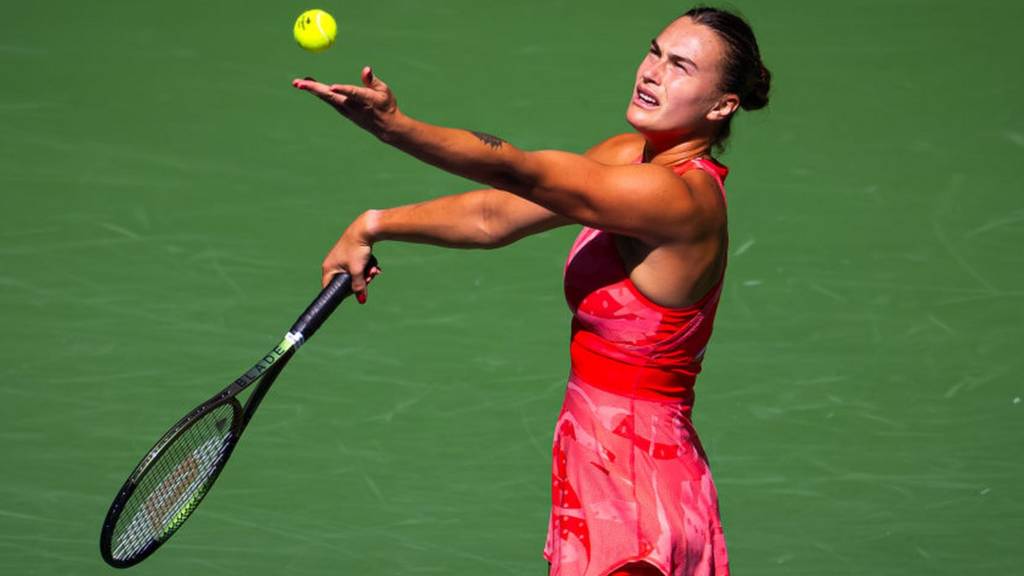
point(492, 141)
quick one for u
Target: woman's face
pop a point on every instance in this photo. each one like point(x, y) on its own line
point(676, 92)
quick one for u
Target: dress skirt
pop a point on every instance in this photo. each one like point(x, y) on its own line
point(630, 483)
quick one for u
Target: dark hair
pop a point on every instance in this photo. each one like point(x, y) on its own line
point(743, 72)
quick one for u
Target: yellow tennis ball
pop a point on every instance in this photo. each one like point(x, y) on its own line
point(315, 30)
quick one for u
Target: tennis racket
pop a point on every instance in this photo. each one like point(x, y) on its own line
point(177, 473)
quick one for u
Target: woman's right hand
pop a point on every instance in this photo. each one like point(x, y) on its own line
point(350, 254)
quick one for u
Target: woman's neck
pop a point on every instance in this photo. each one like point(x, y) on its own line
point(675, 153)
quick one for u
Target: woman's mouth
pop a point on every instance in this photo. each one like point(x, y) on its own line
point(644, 99)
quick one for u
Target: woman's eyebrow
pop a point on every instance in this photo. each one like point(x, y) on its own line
point(675, 58)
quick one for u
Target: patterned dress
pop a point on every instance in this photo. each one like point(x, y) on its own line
point(630, 481)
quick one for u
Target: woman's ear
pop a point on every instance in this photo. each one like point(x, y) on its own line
point(725, 106)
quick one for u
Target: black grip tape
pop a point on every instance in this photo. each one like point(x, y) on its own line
point(339, 288)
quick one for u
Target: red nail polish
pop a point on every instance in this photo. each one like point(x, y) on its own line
point(361, 297)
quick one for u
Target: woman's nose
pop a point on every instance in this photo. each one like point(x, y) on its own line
point(652, 73)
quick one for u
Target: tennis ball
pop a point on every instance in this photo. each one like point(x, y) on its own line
point(315, 30)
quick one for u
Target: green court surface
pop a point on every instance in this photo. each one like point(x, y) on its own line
point(167, 198)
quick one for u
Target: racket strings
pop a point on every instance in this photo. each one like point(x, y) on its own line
point(174, 484)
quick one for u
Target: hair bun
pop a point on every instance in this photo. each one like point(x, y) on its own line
point(757, 95)
point(743, 71)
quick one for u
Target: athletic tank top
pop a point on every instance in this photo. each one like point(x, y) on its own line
point(623, 342)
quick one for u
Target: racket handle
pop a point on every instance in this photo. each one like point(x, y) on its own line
point(339, 288)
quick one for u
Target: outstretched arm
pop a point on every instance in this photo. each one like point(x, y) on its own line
point(643, 201)
point(476, 219)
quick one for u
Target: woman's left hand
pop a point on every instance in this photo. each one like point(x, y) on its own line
point(372, 106)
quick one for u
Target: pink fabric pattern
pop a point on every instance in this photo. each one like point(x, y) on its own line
point(630, 480)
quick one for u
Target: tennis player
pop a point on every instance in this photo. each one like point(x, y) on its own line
point(631, 490)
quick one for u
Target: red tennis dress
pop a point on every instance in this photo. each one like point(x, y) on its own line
point(630, 481)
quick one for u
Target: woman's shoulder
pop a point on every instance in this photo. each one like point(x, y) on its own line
point(706, 192)
point(618, 150)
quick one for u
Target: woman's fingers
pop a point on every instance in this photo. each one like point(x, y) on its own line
point(373, 88)
point(307, 84)
point(371, 106)
point(327, 272)
point(359, 93)
point(359, 283)
point(360, 280)
point(347, 90)
point(322, 90)
point(361, 295)
point(370, 80)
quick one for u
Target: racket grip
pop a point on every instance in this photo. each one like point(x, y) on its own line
point(339, 288)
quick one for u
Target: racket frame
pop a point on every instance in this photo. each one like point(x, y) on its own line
point(265, 371)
